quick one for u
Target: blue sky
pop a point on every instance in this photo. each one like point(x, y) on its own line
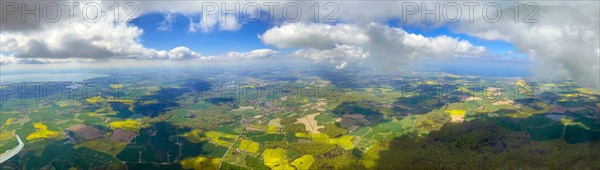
point(245, 39)
point(209, 43)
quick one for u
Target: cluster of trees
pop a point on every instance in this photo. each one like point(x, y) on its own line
point(332, 130)
point(338, 159)
point(481, 145)
point(431, 121)
point(327, 156)
point(255, 163)
point(289, 125)
point(211, 118)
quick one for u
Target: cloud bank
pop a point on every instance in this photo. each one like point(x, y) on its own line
point(387, 47)
point(564, 43)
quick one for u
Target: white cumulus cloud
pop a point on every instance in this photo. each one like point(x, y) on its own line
point(563, 43)
point(384, 45)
